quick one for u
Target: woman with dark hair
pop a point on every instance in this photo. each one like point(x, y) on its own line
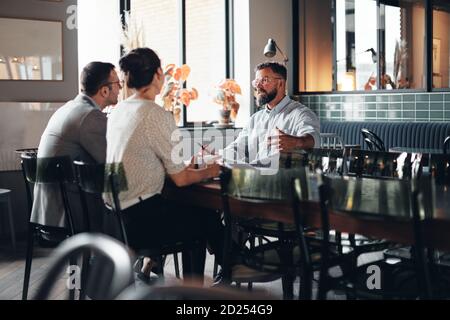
point(140, 136)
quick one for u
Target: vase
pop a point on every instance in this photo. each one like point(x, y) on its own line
point(224, 116)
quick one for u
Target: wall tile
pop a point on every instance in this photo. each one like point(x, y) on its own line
point(382, 98)
point(422, 106)
point(423, 97)
point(422, 114)
point(383, 107)
point(436, 97)
point(437, 106)
point(395, 98)
point(436, 115)
point(409, 98)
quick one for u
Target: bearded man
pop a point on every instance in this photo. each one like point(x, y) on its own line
point(282, 125)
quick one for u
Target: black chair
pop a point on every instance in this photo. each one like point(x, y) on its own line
point(446, 145)
point(318, 254)
point(110, 179)
point(440, 168)
point(49, 171)
point(267, 249)
point(110, 277)
point(372, 140)
point(396, 198)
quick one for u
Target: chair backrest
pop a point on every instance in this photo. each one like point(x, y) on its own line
point(102, 179)
point(331, 141)
point(54, 170)
point(373, 140)
point(107, 285)
point(49, 170)
point(382, 200)
point(90, 178)
point(116, 182)
point(446, 145)
point(57, 170)
point(252, 191)
point(440, 168)
point(29, 164)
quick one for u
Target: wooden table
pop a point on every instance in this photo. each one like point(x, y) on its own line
point(436, 230)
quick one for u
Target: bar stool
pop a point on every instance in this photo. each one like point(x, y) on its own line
point(5, 201)
point(55, 170)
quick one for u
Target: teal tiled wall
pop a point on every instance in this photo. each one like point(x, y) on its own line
point(412, 107)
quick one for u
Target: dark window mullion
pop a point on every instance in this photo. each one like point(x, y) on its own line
point(334, 37)
point(295, 46)
point(229, 38)
point(429, 44)
point(124, 5)
point(182, 29)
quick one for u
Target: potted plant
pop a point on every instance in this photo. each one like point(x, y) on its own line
point(225, 95)
point(173, 94)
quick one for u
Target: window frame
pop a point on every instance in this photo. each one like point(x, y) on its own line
point(125, 5)
point(428, 6)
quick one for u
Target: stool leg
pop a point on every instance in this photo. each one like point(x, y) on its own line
point(11, 226)
point(29, 260)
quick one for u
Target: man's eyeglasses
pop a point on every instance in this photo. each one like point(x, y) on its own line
point(263, 81)
point(119, 82)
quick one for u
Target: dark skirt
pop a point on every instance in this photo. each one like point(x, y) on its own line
point(156, 221)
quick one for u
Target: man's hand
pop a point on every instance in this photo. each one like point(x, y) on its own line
point(286, 143)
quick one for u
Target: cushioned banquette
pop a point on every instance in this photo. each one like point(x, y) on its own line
point(393, 134)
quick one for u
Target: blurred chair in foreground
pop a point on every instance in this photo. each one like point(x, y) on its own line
point(111, 276)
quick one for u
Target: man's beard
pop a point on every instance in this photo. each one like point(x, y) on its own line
point(265, 97)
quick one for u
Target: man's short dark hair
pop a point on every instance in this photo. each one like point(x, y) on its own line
point(94, 76)
point(276, 67)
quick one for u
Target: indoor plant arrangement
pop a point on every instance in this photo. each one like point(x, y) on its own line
point(173, 94)
point(225, 95)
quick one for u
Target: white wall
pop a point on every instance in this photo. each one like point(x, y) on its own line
point(255, 23)
point(98, 32)
point(44, 91)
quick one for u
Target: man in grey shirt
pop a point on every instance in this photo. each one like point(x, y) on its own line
point(282, 124)
point(77, 130)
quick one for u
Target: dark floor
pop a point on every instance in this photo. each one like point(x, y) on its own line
point(12, 271)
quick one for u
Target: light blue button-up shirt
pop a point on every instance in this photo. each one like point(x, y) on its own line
point(288, 115)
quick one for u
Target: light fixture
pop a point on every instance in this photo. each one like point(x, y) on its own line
point(270, 50)
point(2, 61)
point(371, 50)
point(374, 54)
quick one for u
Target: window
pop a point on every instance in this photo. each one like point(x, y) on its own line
point(99, 28)
point(159, 22)
point(356, 44)
point(441, 38)
point(205, 54)
point(191, 32)
point(368, 45)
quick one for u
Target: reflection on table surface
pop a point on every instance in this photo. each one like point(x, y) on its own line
point(382, 198)
point(416, 150)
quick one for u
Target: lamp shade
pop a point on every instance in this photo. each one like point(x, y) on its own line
point(270, 49)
